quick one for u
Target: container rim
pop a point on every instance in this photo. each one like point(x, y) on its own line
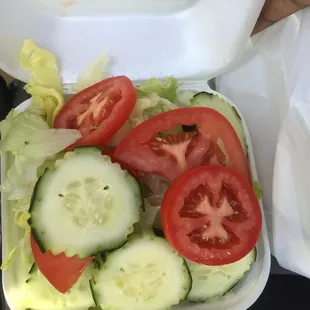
point(255, 290)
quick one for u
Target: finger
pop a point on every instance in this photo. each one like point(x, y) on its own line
point(275, 10)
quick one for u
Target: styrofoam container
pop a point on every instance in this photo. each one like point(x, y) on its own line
point(194, 40)
point(241, 296)
point(190, 39)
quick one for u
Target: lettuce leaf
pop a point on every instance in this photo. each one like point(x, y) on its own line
point(93, 74)
point(20, 219)
point(145, 108)
point(20, 209)
point(25, 250)
point(49, 163)
point(149, 106)
point(258, 190)
point(167, 90)
point(28, 137)
point(45, 84)
point(7, 260)
point(183, 98)
point(46, 99)
point(42, 64)
point(20, 179)
point(6, 124)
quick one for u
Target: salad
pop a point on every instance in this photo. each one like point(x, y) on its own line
point(130, 197)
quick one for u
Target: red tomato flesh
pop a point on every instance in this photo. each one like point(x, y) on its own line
point(99, 111)
point(145, 148)
point(105, 150)
point(61, 271)
point(210, 215)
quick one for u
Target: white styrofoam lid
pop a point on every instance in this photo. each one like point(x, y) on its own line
point(190, 39)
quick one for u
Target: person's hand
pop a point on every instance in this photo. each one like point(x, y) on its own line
point(275, 10)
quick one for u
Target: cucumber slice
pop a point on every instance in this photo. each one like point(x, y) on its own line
point(145, 274)
point(39, 294)
point(215, 281)
point(85, 205)
point(213, 101)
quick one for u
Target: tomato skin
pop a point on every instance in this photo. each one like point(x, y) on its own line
point(61, 271)
point(108, 151)
point(109, 102)
point(178, 229)
point(135, 153)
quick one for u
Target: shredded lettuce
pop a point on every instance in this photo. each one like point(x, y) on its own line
point(39, 291)
point(6, 124)
point(35, 147)
point(167, 90)
point(45, 84)
point(7, 260)
point(20, 208)
point(22, 176)
point(258, 190)
point(25, 248)
point(21, 216)
point(183, 98)
point(20, 205)
point(93, 74)
point(28, 137)
point(147, 218)
point(145, 108)
point(21, 219)
point(149, 106)
point(46, 99)
point(20, 179)
point(49, 163)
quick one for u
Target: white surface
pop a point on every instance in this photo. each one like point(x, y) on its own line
point(273, 93)
point(241, 297)
point(291, 195)
point(190, 39)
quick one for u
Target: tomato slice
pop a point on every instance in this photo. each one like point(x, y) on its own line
point(147, 149)
point(61, 271)
point(99, 111)
point(210, 215)
point(106, 150)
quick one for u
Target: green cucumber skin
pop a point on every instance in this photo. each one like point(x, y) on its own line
point(158, 232)
point(210, 96)
point(254, 260)
point(31, 208)
point(255, 255)
point(155, 234)
point(142, 206)
point(203, 93)
point(204, 300)
point(35, 199)
point(237, 113)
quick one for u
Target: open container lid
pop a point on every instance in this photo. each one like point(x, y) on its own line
point(190, 39)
